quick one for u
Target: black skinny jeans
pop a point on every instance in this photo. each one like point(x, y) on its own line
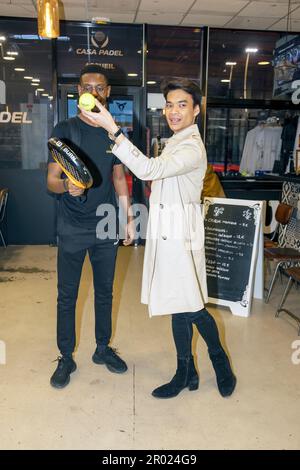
point(183, 332)
point(69, 267)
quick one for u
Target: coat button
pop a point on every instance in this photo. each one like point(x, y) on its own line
point(161, 206)
point(164, 237)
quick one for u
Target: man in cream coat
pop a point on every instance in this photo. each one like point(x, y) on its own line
point(174, 276)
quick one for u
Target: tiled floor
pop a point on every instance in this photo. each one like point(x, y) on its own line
point(101, 410)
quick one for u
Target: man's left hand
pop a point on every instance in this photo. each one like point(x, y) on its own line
point(129, 233)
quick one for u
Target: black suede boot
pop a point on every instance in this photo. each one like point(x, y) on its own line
point(207, 328)
point(225, 378)
point(186, 376)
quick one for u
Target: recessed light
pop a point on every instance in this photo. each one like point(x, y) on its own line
point(100, 20)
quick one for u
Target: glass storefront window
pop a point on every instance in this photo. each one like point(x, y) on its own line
point(26, 114)
point(246, 140)
point(173, 52)
point(252, 64)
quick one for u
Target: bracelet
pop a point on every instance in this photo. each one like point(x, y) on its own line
point(65, 184)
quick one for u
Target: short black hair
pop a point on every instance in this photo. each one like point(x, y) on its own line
point(93, 67)
point(190, 87)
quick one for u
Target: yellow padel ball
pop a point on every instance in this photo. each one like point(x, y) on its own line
point(87, 101)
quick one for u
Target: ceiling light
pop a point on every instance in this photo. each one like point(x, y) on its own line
point(19, 69)
point(70, 96)
point(132, 74)
point(45, 94)
point(100, 20)
point(8, 58)
point(36, 80)
point(12, 53)
point(264, 62)
point(151, 82)
point(28, 78)
point(40, 89)
point(34, 84)
point(225, 80)
point(251, 49)
point(230, 63)
point(2, 38)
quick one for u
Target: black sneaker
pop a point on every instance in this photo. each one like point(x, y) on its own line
point(112, 361)
point(61, 376)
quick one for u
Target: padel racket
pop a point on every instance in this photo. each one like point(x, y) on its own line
point(70, 163)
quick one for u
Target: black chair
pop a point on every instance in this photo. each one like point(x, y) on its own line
point(282, 256)
point(3, 203)
point(294, 276)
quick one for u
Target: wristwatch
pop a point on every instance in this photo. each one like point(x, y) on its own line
point(115, 135)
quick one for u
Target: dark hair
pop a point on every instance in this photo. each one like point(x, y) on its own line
point(182, 84)
point(93, 67)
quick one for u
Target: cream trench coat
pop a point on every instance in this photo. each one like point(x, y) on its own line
point(174, 275)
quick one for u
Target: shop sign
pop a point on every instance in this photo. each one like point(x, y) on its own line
point(286, 62)
point(16, 117)
point(117, 48)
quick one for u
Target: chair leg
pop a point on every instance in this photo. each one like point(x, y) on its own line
point(2, 238)
point(284, 296)
point(272, 282)
point(269, 266)
point(280, 274)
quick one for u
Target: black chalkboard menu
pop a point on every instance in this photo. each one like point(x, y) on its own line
point(231, 232)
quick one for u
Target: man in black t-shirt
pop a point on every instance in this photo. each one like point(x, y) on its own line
point(81, 217)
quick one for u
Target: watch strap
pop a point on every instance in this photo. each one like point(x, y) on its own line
point(115, 135)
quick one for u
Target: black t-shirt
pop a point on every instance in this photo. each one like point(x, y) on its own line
point(78, 218)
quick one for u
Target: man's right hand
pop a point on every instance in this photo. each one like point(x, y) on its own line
point(73, 190)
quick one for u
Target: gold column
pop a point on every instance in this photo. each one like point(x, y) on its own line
point(48, 18)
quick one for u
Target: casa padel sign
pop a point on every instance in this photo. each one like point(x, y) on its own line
point(118, 48)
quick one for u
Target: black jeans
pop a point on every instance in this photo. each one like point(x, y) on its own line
point(182, 327)
point(69, 267)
